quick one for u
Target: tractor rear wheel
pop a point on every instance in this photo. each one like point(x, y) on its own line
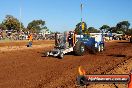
point(79, 48)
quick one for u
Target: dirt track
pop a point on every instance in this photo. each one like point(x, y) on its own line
point(29, 69)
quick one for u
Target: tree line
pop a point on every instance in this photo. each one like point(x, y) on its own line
point(122, 27)
point(11, 23)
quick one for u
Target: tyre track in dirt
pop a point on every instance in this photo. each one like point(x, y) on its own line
point(122, 68)
point(93, 70)
point(28, 69)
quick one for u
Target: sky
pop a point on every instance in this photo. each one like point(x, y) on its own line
point(63, 15)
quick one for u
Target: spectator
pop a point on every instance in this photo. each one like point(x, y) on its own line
point(56, 39)
point(30, 39)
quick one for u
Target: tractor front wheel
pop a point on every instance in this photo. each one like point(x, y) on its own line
point(46, 54)
point(61, 55)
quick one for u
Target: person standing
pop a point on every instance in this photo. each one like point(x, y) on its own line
point(70, 39)
point(56, 39)
point(30, 39)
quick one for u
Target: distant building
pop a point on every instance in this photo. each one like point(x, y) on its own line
point(45, 31)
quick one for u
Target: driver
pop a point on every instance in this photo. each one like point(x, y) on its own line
point(70, 39)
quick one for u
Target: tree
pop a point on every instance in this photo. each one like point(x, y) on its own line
point(92, 30)
point(123, 26)
point(104, 28)
point(78, 28)
point(36, 25)
point(2, 26)
point(129, 32)
point(113, 29)
point(12, 23)
point(45, 28)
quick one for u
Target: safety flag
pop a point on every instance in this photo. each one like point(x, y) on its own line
point(83, 25)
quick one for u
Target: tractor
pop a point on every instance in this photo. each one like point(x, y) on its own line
point(77, 43)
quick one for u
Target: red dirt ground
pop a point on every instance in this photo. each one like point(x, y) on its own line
point(25, 42)
point(29, 69)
